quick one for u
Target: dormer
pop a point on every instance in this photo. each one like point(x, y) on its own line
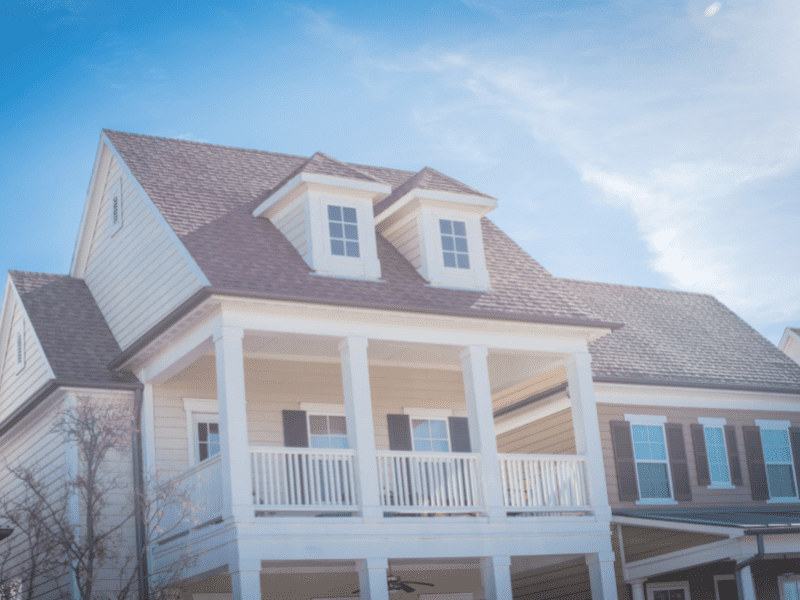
point(435, 223)
point(325, 209)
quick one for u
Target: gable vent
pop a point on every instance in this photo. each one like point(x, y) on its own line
point(115, 210)
point(115, 206)
point(19, 348)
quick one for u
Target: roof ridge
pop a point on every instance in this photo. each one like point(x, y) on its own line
point(347, 166)
point(638, 287)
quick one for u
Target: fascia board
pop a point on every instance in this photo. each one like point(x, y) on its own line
point(5, 317)
point(80, 254)
point(33, 330)
point(157, 214)
point(484, 204)
point(378, 190)
point(787, 335)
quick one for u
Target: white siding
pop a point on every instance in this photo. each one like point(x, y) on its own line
point(15, 387)
point(406, 240)
point(293, 226)
point(138, 274)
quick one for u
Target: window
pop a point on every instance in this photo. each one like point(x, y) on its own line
point(778, 459)
point(207, 432)
point(650, 455)
point(790, 587)
point(454, 243)
point(327, 431)
point(115, 206)
point(19, 346)
point(674, 590)
point(717, 451)
point(343, 230)
point(725, 587)
point(430, 435)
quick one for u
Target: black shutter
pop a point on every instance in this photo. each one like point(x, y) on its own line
point(700, 454)
point(459, 434)
point(678, 462)
point(295, 429)
point(399, 432)
point(755, 462)
point(623, 457)
point(794, 437)
point(733, 455)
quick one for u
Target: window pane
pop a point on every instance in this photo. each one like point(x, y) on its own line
point(461, 244)
point(463, 261)
point(349, 214)
point(790, 590)
point(653, 480)
point(639, 433)
point(335, 213)
point(449, 259)
point(776, 445)
point(202, 432)
point(447, 243)
point(319, 441)
point(440, 446)
point(351, 232)
point(421, 428)
point(642, 451)
point(657, 447)
point(438, 429)
point(718, 463)
point(213, 449)
point(337, 247)
point(422, 446)
point(459, 228)
point(338, 425)
point(714, 436)
point(338, 442)
point(445, 226)
point(336, 230)
point(318, 424)
point(781, 481)
point(352, 249)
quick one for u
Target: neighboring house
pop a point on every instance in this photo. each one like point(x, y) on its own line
point(790, 343)
point(364, 382)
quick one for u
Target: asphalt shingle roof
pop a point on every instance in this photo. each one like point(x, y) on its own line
point(68, 323)
point(207, 194)
point(680, 338)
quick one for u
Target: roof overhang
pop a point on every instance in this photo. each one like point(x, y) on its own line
point(409, 202)
point(729, 518)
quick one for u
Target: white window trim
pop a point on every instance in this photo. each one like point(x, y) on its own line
point(456, 596)
point(654, 421)
point(652, 588)
point(721, 578)
point(18, 340)
point(197, 406)
point(322, 409)
point(116, 188)
point(720, 424)
point(455, 271)
point(781, 580)
point(440, 414)
point(785, 425)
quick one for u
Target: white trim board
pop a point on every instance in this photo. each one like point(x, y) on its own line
point(534, 412)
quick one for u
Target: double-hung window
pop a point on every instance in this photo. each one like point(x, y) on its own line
point(343, 230)
point(717, 451)
point(650, 454)
point(674, 590)
point(455, 252)
point(778, 460)
point(327, 431)
point(430, 435)
point(790, 587)
point(207, 431)
point(203, 434)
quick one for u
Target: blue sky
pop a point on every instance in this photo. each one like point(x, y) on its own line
point(653, 144)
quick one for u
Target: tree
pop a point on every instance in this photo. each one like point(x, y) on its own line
point(86, 535)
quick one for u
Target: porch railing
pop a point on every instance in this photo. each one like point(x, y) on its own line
point(429, 482)
point(537, 481)
point(303, 479)
point(201, 487)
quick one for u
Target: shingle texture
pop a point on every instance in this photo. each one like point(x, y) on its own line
point(680, 338)
point(75, 338)
point(207, 194)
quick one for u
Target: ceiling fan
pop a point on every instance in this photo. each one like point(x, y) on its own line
point(396, 585)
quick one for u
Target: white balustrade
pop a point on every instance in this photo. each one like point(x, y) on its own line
point(303, 479)
point(201, 486)
point(421, 481)
point(536, 481)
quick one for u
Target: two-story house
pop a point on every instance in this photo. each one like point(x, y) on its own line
point(364, 382)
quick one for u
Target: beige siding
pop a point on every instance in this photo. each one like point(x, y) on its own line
point(274, 386)
point(293, 226)
point(550, 435)
point(701, 495)
point(138, 274)
point(529, 388)
point(406, 240)
point(15, 387)
point(568, 580)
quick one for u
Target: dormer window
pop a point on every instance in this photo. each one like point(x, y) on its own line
point(19, 347)
point(115, 206)
point(454, 243)
point(343, 228)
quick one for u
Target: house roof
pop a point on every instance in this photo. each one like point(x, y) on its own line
point(70, 327)
point(207, 193)
point(727, 516)
point(681, 338)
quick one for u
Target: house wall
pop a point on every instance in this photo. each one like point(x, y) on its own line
point(138, 274)
point(273, 386)
point(407, 241)
point(15, 387)
point(568, 580)
point(553, 434)
point(701, 495)
point(293, 226)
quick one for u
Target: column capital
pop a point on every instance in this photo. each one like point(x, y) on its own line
point(228, 331)
point(578, 358)
point(372, 563)
point(497, 561)
point(474, 350)
point(353, 341)
point(636, 581)
point(599, 557)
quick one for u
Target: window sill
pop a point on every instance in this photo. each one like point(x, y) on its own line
point(721, 486)
point(783, 500)
point(656, 501)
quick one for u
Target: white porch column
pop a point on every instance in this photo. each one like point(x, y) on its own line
point(246, 580)
point(360, 424)
point(602, 578)
point(748, 585)
point(637, 589)
point(587, 430)
point(148, 429)
point(477, 390)
point(496, 577)
point(372, 578)
point(237, 487)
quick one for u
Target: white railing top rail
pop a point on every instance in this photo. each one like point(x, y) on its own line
point(282, 450)
point(423, 455)
point(561, 457)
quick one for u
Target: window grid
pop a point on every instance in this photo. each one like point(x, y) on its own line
point(454, 243)
point(652, 468)
point(717, 455)
point(778, 462)
point(207, 439)
point(343, 229)
point(430, 435)
point(327, 431)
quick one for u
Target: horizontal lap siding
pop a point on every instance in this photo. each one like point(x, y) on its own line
point(551, 435)
point(645, 542)
point(274, 386)
point(568, 580)
point(701, 495)
point(293, 226)
point(406, 240)
point(15, 387)
point(139, 274)
point(531, 387)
